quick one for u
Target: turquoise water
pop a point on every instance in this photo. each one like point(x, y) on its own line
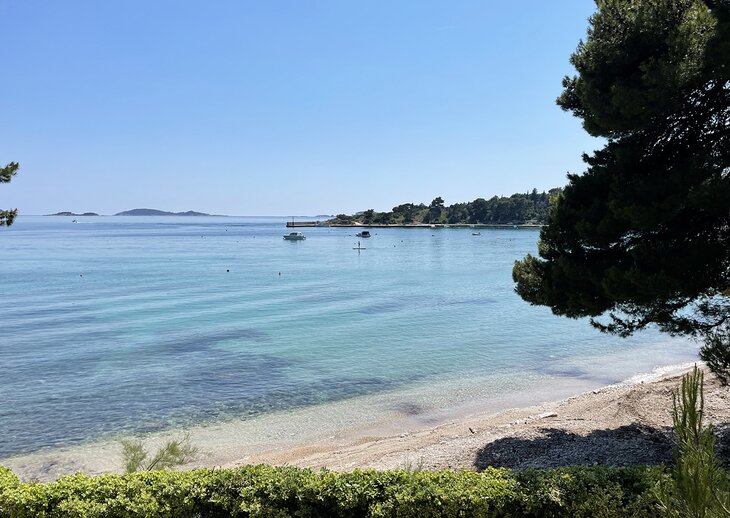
point(131, 324)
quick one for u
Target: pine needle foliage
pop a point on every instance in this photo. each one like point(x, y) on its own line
point(699, 485)
point(173, 453)
point(642, 237)
point(716, 353)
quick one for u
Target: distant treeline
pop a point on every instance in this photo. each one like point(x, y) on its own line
point(530, 207)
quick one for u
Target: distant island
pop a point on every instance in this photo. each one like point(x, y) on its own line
point(155, 212)
point(67, 213)
point(530, 208)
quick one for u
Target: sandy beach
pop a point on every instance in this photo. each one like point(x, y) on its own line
point(623, 424)
point(618, 425)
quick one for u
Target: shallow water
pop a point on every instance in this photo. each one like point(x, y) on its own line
point(134, 324)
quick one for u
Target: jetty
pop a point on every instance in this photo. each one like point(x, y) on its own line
point(291, 224)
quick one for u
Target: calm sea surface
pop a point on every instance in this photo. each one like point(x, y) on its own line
point(134, 324)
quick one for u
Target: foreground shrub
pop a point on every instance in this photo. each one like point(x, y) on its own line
point(589, 492)
point(699, 485)
point(279, 492)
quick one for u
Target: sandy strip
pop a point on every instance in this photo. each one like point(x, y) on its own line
point(618, 425)
point(622, 424)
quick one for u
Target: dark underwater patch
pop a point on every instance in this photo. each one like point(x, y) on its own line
point(206, 340)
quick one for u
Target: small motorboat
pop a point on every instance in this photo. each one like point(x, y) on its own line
point(364, 233)
point(476, 233)
point(295, 236)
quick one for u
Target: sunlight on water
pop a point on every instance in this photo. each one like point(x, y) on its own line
point(124, 324)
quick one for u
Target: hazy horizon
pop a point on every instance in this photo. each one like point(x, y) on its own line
point(193, 209)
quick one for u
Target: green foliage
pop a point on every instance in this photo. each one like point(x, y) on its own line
point(434, 210)
point(367, 216)
point(279, 492)
point(640, 61)
point(406, 213)
point(699, 485)
point(6, 174)
point(382, 218)
point(343, 219)
point(643, 236)
point(172, 453)
point(716, 352)
point(589, 492)
point(531, 207)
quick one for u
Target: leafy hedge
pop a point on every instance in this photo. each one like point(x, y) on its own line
point(277, 492)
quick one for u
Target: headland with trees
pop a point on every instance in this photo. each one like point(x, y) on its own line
point(527, 209)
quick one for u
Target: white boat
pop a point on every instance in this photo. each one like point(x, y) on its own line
point(364, 233)
point(476, 233)
point(295, 236)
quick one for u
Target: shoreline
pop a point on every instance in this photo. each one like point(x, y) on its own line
point(619, 424)
point(598, 426)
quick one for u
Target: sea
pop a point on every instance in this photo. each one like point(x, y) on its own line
point(120, 326)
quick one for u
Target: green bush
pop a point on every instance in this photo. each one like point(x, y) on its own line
point(267, 491)
point(699, 485)
point(590, 492)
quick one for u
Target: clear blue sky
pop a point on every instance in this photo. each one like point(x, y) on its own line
point(284, 107)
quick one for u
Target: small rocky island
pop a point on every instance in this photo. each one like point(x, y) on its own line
point(68, 213)
point(156, 212)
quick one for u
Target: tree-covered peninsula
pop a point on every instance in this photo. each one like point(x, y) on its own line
point(518, 209)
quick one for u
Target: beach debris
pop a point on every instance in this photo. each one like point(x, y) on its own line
point(544, 415)
point(471, 430)
point(596, 391)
